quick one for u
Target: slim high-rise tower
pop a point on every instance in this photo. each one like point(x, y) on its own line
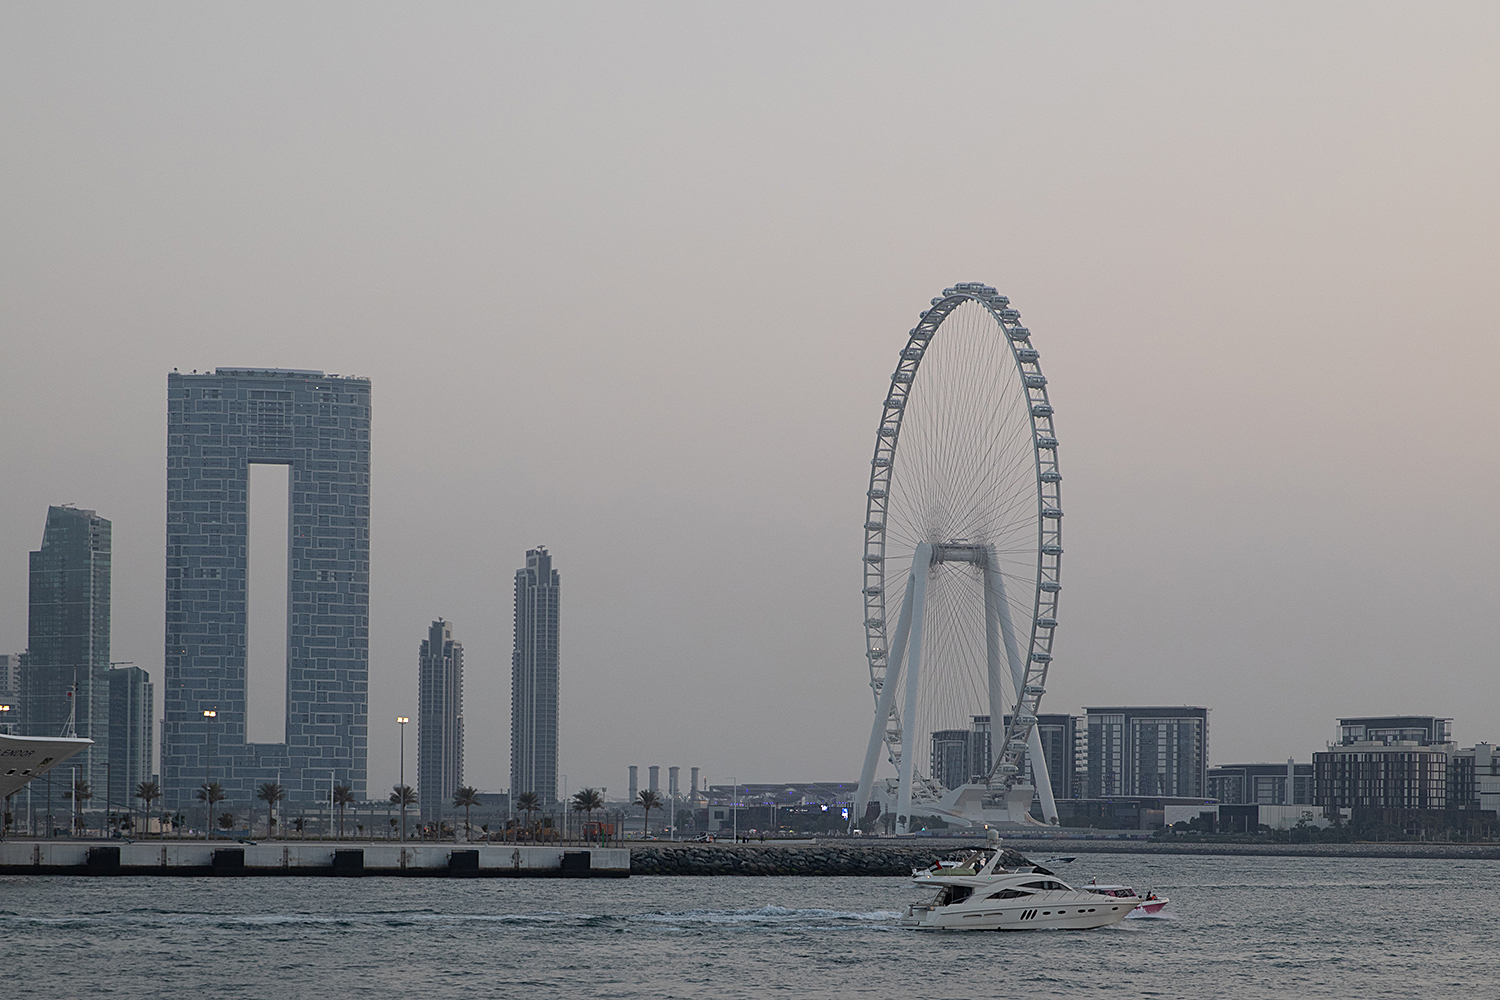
point(533, 679)
point(131, 761)
point(219, 427)
point(440, 720)
point(66, 669)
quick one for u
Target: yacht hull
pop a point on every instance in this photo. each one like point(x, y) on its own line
point(1077, 911)
point(23, 758)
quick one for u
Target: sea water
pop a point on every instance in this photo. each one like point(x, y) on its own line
point(1236, 927)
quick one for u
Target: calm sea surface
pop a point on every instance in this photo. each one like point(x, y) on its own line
point(1239, 927)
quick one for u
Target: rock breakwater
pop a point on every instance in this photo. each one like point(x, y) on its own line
point(900, 859)
point(811, 859)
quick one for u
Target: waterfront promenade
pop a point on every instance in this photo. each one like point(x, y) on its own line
point(68, 857)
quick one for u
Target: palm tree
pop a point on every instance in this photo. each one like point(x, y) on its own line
point(528, 803)
point(79, 793)
point(649, 800)
point(343, 795)
point(211, 794)
point(148, 792)
point(270, 793)
point(403, 796)
point(467, 796)
point(586, 801)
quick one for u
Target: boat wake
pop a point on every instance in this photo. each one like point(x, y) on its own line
point(766, 917)
point(1158, 915)
point(771, 916)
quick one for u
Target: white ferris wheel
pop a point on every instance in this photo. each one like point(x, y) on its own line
point(963, 544)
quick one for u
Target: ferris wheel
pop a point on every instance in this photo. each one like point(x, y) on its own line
point(963, 546)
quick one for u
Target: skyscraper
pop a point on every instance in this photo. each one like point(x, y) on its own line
point(219, 426)
point(1151, 751)
point(533, 679)
point(131, 697)
point(10, 676)
point(67, 658)
point(440, 719)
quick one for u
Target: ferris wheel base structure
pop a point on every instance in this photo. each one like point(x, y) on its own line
point(974, 804)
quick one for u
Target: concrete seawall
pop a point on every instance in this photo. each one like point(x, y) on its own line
point(328, 859)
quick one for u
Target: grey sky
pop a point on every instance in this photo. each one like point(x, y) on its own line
point(629, 281)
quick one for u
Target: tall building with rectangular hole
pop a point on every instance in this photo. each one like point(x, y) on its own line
point(220, 427)
point(533, 680)
point(440, 720)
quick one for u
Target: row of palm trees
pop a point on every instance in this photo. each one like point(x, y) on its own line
point(269, 792)
point(585, 801)
point(589, 799)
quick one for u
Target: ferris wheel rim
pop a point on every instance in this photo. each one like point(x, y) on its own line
point(1047, 481)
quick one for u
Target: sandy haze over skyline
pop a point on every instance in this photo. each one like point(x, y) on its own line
point(630, 281)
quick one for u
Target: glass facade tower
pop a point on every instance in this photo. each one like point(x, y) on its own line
point(131, 697)
point(533, 680)
point(66, 668)
point(440, 720)
point(218, 426)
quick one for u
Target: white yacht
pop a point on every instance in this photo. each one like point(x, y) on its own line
point(981, 894)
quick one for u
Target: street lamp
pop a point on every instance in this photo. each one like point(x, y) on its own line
point(208, 799)
point(402, 791)
point(5, 709)
point(734, 806)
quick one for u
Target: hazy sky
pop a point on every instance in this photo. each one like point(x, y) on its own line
point(630, 280)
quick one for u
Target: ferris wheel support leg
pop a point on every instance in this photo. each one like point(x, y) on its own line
point(997, 619)
point(896, 655)
point(997, 610)
point(920, 562)
point(997, 629)
point(1040, 776)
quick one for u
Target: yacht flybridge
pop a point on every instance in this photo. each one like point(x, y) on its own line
point(999, 890)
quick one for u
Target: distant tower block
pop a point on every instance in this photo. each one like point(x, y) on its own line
point(534, 679)
point(653, 781)
point(66, 676)
point(672, 781)
point(695, 786)
point(635, 782)
point(440, 719)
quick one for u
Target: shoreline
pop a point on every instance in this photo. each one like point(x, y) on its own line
point(898, 859)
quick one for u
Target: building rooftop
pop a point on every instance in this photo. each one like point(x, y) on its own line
point(290, 373)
